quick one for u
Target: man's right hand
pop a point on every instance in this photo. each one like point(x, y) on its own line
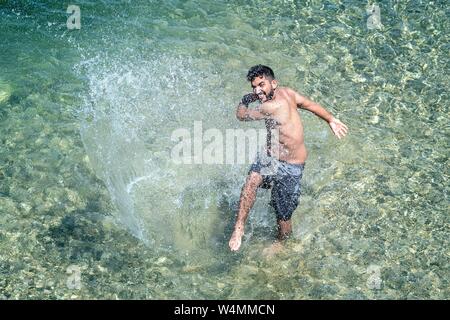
point(249, 98)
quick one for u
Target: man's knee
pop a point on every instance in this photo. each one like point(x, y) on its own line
point(254, 180)
point(284, 229)
point(284, 224)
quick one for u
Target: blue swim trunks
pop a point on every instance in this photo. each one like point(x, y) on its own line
point(284, 179)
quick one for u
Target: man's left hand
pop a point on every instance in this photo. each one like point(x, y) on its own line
point(339, 129)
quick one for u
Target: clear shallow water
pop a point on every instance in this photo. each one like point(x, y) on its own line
point(86, 178)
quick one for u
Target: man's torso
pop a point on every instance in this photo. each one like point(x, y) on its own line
point(284, 128)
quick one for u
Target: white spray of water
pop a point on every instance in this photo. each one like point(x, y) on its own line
point(129, 114)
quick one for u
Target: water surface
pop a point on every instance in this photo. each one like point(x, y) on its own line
point(86, 178)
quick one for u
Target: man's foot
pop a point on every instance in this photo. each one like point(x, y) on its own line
point(273, 249)
point(236, 239)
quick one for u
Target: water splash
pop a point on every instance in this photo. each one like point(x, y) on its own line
point(128, 116)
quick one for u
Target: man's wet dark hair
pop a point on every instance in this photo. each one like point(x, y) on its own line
point(259, 71)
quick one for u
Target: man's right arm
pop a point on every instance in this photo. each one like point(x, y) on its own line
point(243, 113)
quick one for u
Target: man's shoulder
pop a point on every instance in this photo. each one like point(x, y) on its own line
point(287, 90)
point(290, 95)
point(293, 95)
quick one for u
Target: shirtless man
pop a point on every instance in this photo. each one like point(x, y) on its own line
point(279, 110)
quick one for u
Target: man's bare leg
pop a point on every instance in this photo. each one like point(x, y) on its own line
point(284, 229)
point(246, 201)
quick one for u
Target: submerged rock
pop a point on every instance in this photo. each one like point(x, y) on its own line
point(5, 91)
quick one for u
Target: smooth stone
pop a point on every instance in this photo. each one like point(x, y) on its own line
point(5, 91)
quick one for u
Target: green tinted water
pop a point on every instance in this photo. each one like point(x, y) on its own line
point(87, 182)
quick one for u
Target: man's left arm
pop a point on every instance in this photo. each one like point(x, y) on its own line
point(338, 128)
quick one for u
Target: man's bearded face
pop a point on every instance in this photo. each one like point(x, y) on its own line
point(263, 88)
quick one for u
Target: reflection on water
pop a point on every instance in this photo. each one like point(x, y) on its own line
point(86, 178)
